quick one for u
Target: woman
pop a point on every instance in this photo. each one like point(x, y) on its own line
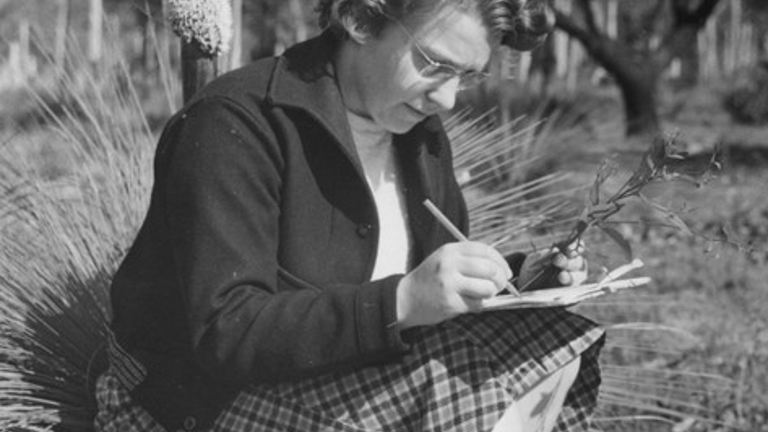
point(287, 275)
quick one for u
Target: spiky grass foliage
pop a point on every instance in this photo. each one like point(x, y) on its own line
point(511, 204)
point(65, 231)
point(643, 391)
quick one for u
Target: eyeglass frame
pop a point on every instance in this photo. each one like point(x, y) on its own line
point(433, 69)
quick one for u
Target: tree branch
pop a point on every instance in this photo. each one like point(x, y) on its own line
point(568, 25)
point(653, 15)
point(687, 23)
point(609, 53)
point(695, 17)
point(589, 16)
point(705, 10)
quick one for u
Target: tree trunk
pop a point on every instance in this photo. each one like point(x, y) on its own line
point(708, 51)
point(638, 89)
point(761, 41)
point(543, 65)
point(638, 81)
point(732, 37)
point(61, 33)
point(148, 56)
point(95, 33)
point(689, 62)
point(197, 69)
point(637, 78)
point(236, 54)
point(266, 25)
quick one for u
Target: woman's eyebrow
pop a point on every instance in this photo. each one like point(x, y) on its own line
point(436, 56)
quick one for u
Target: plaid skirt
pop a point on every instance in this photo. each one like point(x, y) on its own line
point(460, 375)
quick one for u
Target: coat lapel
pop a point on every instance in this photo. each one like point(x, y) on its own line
point(304, 79)
point(417, 153)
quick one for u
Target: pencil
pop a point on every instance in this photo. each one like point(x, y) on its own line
point(457, 234)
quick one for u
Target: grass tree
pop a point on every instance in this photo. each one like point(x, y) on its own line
point(205, 29)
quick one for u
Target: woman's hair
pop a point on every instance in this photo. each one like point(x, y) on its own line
point(518, 24)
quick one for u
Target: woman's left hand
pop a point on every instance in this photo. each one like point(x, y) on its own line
point(571, 263)
point(559, 266)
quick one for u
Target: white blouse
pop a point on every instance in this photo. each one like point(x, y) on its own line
point(374, 146)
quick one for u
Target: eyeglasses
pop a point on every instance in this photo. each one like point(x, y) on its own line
point(436, 70)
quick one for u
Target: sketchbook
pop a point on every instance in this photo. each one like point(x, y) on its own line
point(563, 296)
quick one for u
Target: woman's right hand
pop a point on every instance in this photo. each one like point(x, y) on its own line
point(452, 281)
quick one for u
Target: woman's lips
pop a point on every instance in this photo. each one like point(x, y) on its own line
point(416, 112)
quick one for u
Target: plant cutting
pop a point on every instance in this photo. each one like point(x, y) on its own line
point(662, 162)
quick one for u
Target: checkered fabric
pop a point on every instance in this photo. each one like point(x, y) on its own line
point(116, 410)
point(459, 376)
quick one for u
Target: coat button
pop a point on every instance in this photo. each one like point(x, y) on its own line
point(364, 229)
point(190, 423)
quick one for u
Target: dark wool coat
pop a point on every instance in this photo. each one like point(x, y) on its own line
point(254, 260)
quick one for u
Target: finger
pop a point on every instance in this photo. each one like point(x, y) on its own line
point(502, 263)
point(574, 249)
point(579, 277)
point(473, 305)
point(477, 288)
point(482, 250)
point(560, 260)
point(572, 278)
point(576, 264)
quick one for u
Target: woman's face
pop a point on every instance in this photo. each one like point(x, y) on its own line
point(385, 82)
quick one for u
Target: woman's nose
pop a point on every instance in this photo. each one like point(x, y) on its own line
point(443, 97)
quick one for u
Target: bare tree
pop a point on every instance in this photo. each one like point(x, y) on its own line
point(668, 29)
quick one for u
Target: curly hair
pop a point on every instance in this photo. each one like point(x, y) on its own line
point(518, 24)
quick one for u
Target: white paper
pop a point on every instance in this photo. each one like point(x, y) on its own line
point(562, 296)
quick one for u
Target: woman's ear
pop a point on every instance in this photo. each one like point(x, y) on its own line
point(355, 31)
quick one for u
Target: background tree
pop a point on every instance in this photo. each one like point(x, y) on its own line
point(274, 25)
point(654, 33)
point(757, 13)
point(95, 29)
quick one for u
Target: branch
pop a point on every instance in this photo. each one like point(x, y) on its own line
point(609, 53)
point(589, 16)
point(568, 25)
point(696, 17)
point(654, 14)
point(687, 23)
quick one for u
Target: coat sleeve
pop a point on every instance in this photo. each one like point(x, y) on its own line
point(222, 184)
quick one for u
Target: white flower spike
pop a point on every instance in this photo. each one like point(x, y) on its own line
point(208, 23)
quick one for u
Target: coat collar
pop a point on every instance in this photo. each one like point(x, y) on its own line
point(304, 78)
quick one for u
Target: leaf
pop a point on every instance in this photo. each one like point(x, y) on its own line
point(684, 425)
point(667, 215)
point(619, 239)
point(677, 222)
point(606, 170)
